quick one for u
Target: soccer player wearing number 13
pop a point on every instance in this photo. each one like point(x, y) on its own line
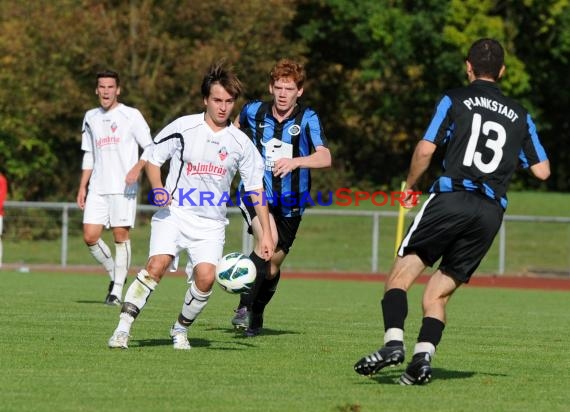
point(487, 135)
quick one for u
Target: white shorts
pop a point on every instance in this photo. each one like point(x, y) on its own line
point(1, 225)
point(173, 231)
point(110, 210)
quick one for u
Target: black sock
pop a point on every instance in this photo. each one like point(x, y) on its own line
point(262, 268)
point(265, 294)
point(184, 321)
point(431, 331)
point(394, 308)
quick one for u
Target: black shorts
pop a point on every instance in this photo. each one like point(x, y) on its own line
point(458, 227)
point(286, 226)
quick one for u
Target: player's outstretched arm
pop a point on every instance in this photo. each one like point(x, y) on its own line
point(134, 173)
point(420, 162)
point(153, 174)
point(262, 211)
point(82, 191)
point(321, 158)
point(541, 170)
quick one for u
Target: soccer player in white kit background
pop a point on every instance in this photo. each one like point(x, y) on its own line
point(111, 136)
point(205, 151)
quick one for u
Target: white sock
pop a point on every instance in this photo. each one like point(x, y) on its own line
point(135, 299)
point(125, 323)
point(102, 254)
point(122, 263)
point(178, 327)
point(140, 290)
point(422, 347)
point(194, 302)
point(394, 334)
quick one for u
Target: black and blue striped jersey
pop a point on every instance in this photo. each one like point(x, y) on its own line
point(487, 136)
point(296, 136)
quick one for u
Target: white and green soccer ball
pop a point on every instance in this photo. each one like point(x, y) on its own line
point(235, 273)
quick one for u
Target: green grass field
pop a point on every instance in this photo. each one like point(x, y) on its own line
point(503, 350)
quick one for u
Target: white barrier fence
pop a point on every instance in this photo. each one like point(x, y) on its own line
point(374, 234)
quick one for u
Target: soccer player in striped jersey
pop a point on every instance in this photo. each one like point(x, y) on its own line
point(291, 140)
point(111, 136)
point(486, 137)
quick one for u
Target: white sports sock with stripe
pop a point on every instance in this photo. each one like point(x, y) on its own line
point(122, 263)
point(102, 254)
point(194, 302)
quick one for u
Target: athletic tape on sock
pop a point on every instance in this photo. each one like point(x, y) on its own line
point(194, 302)
point(140, 290)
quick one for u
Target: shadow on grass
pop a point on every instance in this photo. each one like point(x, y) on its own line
point(392, 376)
point(98, 302)
point(446, 374)
point(195, 343)
point(264, 332)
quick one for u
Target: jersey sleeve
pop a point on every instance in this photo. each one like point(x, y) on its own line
point(314, 130)
point(532, 151)
point(166, 143)
point(140, 130)
point(439, 127)
point(251, 168)
point(86, 136)
point(243, 117)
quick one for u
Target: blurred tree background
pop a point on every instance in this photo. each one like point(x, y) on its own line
point(375, 68)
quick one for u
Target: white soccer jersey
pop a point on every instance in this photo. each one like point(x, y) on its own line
point(114, 138)
point(203, 164)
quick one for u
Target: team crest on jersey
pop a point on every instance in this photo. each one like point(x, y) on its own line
point(223, 153)
point(294, 130)
point(113, 127)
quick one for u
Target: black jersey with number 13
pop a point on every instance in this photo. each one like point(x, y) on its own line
point(487, 134)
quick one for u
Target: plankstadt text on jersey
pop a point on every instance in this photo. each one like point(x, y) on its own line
point(492, 105)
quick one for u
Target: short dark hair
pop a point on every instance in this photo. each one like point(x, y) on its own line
point(107, 74)
point(486, 57)
point(225, 77)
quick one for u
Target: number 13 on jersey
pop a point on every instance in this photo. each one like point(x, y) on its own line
point(485, 130)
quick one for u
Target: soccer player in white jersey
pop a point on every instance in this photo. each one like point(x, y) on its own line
point(111, 136)
point(205, 151)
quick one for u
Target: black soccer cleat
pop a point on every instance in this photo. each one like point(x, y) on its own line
point(418, 371)
point(108, 297)
point(241, 318)
point(385, 356)
point(255, 325)
point(112, 300)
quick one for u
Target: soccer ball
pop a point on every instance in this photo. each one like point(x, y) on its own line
point(235, 273)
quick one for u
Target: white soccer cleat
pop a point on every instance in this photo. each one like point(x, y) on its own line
point(119, 340)
point(179, 339)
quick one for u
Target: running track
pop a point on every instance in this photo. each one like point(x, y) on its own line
point(505, 281)
point(478, 280)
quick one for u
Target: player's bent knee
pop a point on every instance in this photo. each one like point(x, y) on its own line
point(204, 276)
point(90, 240)
point(157, 266)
